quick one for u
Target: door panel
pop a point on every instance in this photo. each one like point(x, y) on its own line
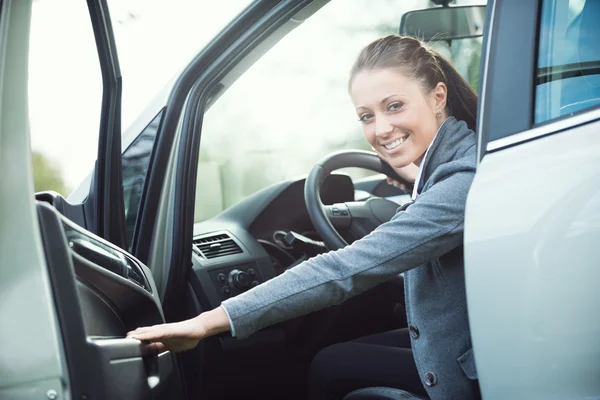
point(532, 235)
point(100, 293)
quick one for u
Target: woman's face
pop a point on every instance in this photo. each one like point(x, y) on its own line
point(399, 120)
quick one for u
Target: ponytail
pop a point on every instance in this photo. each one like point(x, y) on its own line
point(462, 99)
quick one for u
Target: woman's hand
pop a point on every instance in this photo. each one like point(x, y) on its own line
point(408, 173)
point(184, 335)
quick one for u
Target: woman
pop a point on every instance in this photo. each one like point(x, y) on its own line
point(414, 108)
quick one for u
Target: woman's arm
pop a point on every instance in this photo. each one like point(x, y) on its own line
point(429, 228)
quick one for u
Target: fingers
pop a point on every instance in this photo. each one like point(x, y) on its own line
point(147, 336)
point(397, 184)
point(135, 332)
point(163, 331)
point(186, 330)
point(160, 347)
point(148, 333)
point(156, 348)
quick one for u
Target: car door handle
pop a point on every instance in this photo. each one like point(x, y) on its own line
point(124, 358)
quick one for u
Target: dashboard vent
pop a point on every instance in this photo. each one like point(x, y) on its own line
point(217, 246)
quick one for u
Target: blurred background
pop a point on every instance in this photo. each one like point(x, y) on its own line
point(287, 111)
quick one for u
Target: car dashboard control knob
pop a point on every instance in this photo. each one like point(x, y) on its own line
point(240, 279)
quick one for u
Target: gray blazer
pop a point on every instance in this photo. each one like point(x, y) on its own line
point(423, 240)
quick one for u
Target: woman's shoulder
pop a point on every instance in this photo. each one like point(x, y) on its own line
point(455, 151)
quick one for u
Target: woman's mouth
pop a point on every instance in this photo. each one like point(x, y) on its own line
point(395, 144)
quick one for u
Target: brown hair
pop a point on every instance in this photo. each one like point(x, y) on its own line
point(425, 65)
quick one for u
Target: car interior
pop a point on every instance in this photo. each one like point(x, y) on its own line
point(172, 263)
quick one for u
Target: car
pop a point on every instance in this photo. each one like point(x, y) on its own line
point(195, 203)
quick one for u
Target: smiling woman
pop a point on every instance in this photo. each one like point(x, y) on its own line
point(408, 98)
point(398, 124)
point(382, 114)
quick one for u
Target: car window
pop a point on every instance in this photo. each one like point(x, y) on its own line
point(65, 94)
point(568, 71)
point(135, 161)
point(155, 40)
point(145, 33)
point(292, 107)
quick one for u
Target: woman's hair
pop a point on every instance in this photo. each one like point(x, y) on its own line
point(425, 65)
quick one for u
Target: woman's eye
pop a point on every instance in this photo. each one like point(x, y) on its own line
point(365, 118)
point(395, 106)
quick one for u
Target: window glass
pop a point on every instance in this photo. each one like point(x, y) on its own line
point(568, 73)
point(154, 41)
point(292, 107)
point(157, 39)
point(65, 94)
point(136, 159)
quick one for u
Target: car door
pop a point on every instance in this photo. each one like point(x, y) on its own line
point(73, 292)
point(28, 323)
point(532, 219)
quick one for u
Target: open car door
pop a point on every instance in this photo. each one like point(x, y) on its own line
point(77, 281)
point(101, 291)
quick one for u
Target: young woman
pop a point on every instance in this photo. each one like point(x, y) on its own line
point(415, 109)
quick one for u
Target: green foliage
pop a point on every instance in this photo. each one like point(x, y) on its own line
point(46, 175)
point(474, 70)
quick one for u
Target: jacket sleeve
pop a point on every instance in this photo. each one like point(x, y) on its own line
point(427, 229)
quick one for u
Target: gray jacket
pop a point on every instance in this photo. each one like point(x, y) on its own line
point(423, 240)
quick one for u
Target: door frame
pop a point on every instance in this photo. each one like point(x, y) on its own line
point(104, 208)
point(166, 216)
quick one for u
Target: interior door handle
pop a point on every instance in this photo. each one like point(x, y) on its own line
point(130, 356)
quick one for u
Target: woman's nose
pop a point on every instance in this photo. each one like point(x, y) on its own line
point(383, 127)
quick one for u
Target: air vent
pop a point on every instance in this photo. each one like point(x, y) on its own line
point(217, 246)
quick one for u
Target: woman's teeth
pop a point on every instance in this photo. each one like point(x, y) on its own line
point(393, 145)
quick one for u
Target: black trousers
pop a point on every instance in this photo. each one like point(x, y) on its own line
point(383, 359)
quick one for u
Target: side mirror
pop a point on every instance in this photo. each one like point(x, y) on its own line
point(444, 23)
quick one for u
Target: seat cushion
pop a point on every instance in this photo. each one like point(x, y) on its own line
point(382, 393)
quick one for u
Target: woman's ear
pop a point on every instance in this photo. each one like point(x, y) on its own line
point(440, 96)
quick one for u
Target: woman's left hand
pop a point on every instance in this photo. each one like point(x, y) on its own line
point(408, 173)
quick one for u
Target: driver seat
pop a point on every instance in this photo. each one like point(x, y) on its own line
point(382, 393)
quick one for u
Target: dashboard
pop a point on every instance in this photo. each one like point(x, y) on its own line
point(260, 237)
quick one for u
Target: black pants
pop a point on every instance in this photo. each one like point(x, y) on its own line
point(383, 359)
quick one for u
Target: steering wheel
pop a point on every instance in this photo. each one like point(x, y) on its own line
point(360, 217)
